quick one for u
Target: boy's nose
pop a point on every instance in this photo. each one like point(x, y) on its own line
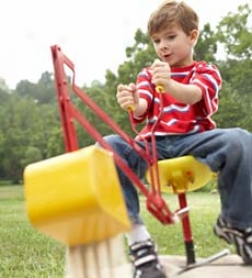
point(163, 45)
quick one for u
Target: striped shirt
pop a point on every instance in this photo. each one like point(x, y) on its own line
point(176, 117)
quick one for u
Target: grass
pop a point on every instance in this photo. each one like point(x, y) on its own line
point(26, 253)
point(204, 210)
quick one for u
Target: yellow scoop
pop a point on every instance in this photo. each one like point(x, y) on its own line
point(76, 197)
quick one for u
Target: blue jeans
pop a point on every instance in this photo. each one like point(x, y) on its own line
point(226, 151)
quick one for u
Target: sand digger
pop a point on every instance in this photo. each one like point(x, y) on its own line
point(68, 198)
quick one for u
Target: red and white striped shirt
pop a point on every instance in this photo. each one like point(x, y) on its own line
point(179, 118)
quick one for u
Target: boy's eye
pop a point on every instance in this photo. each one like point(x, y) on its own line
point(171, 37)
point(156, 41)
point(168, 38)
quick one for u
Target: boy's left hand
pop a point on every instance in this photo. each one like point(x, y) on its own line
point(161, 73)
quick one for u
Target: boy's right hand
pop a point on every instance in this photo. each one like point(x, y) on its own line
point(127, 96)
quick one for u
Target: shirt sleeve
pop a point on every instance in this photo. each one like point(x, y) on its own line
point(208, 79)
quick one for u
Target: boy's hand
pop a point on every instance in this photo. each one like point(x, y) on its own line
point(161, 73)
point(127, 96)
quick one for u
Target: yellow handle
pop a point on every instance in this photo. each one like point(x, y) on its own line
point(131, 107)
point(160, 89)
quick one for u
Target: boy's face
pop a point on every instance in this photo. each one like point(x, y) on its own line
point(174, 46)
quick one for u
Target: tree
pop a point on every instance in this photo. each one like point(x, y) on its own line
point(206, 47)
point(43, 92)
point(235, 34)
point(231, 112)
point(5, 92)
point(27, 89)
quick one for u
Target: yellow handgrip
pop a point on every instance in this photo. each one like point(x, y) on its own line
point(131, 107)
point(160, 89)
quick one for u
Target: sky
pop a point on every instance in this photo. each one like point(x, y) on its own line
point(92, 33)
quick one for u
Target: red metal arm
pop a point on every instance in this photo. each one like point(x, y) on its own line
point(69, 113)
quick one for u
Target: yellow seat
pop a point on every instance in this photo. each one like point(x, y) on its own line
point(182, 174)
point(76, 197)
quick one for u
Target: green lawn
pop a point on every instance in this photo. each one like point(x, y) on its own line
point(25, 252)
point(204, 209)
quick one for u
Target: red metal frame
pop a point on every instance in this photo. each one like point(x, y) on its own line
point(69, 113)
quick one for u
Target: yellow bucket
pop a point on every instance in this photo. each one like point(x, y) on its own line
point(76, 197)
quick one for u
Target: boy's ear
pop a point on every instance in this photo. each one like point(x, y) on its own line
point(194, 36)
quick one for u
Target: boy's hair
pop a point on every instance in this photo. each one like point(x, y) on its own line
point(170, 13)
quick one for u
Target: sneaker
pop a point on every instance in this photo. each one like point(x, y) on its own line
point(144, 258)
point(241, 239)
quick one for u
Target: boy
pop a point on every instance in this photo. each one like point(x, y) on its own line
point(190, 98)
